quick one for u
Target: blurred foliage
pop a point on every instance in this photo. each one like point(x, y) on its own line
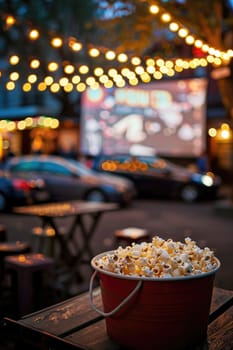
point(124, 26)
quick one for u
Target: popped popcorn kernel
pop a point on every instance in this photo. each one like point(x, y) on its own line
point(159, 258)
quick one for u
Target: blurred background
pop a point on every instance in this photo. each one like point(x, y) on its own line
point(120, 101)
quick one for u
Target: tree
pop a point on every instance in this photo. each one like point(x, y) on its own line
point(210, 20)
point(123, 26)
point(51, 18)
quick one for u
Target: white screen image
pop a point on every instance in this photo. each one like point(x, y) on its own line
point(166, 118)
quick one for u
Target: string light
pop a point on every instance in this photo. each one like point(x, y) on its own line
point(14, 59)
point(34, 34)
point(155, 67)
point(56, 42)
point(29, 123)
point(35, 63)
point(10, 21)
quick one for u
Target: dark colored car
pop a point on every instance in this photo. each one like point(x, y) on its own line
point(17, 191)
point(68, 179)
point(157, 177)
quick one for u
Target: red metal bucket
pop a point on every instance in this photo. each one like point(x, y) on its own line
point(155, 313)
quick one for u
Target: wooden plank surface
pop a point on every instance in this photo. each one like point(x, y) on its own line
point(63, 209)
point(64, 317)
point(220, 332)
point(76, 325)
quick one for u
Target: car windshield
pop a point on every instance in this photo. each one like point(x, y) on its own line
point(81, 168)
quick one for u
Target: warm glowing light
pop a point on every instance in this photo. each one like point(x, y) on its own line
point(170, 72)
point(112, 72)
point(42, 86)
point(108, 84)
point(139, 70)
point(35, 64)
point(56, 42)
point(198, 43)
point(150, 69)
point(21, 125)
point(131, 75)
point(160, 62)
point(11, 126)
point(68, 87)
point(54, 87)
point(14, 76)
point(203, 62)
point(90, 81)
point(76, 79)
point(122, 57)
point(32, 78)
point(83, 69)
point(210, 58)
point(173, 26)
point(10, 85)
point(3, 124)
point(165, 17)
point(163, 69)
point(212, 132)
point(225, 134)
point(95, 85)
point(154, 9)
point(14, 59)
point(217, 61)
point(63, 81)
point(125, 72)
point(133, 81)
point(98, 71)
point(169, 64)
point(110, 55)
point(81, 87)
point(205, 48)
point(28, 122)
point(34, 34)
point(189, 39)
point(69, 69)
point(145, 77)
point(94, 52)
point(76, 46)
point(135, 61)
point(52, 66)
point(10, 21)
point(27, 87)
point(54, 123)
point(104, 78)
point(150, 62)
point(225, 126)
point(48, 80)
point(183, 32)
point(157, 75)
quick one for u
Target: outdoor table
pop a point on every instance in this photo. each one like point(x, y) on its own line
point(86, 216)
point(73, 324)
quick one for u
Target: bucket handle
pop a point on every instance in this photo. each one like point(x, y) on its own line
point(118, 307)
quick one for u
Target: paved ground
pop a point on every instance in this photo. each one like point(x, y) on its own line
point(175, 219)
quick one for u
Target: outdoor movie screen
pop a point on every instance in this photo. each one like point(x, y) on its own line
point(167, 118)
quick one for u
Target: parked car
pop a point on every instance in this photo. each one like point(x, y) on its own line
point(158, 177)
point(17, 191)
point(68, 179)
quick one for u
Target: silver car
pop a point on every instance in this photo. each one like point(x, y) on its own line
point(68, 179)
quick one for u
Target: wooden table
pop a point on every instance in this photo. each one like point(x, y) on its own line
point(73, 324)
point(86, 216)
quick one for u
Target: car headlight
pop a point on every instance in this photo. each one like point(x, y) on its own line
point(207, 180)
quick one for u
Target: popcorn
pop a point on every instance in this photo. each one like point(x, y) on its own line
point(159, 258)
